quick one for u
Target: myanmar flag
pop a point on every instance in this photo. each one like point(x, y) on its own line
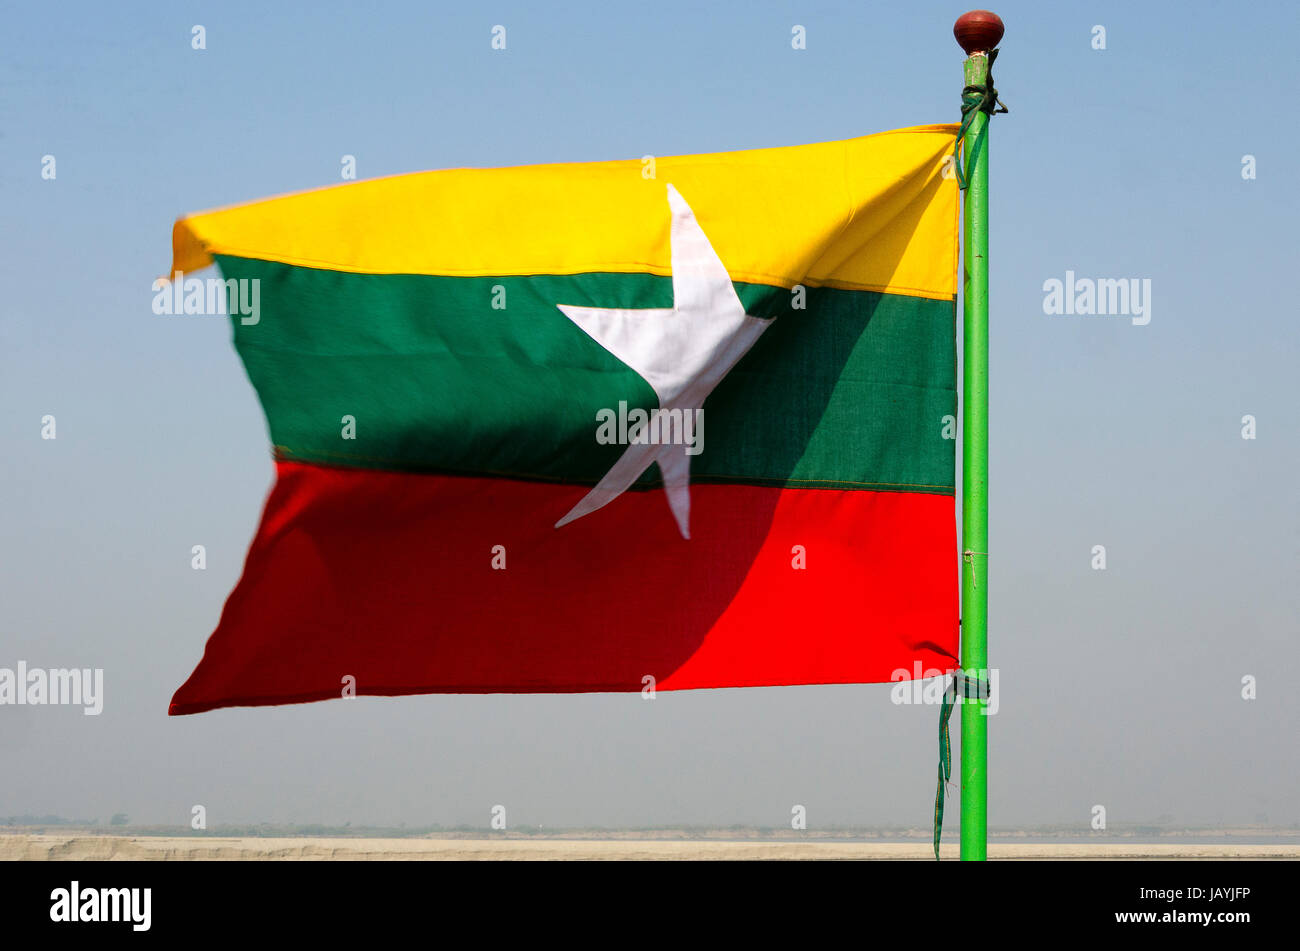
point(677, 422)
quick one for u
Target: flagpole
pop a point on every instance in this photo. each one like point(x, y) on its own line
point(978, 32)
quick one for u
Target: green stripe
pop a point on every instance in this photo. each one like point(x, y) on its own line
point(851, 391)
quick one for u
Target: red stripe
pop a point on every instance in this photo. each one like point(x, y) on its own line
point(388, 578)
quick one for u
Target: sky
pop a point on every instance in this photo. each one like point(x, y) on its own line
point(1120, 687)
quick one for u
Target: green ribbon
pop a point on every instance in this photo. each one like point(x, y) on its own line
point(975, 99)
point(945, 761)
point(981, 691)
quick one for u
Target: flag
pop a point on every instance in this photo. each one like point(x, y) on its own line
point(669, 423)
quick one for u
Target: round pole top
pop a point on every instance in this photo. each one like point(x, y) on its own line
point(978, 31)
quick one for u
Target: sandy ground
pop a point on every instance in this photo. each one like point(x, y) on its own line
point(127, 848)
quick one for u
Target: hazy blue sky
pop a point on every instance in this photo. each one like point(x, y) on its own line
point(1119, 687)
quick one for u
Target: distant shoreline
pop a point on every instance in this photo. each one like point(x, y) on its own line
point(1063, 835)
point(83, 847)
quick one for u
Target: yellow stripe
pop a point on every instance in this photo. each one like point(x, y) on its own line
point(872, 213)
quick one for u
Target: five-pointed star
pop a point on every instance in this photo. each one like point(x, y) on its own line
point(683, 353)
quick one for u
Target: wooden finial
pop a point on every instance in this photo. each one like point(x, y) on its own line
point(978, 31)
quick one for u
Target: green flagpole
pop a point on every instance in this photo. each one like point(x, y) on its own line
point(978, 32)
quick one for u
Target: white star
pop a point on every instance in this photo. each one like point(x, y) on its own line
point(683, 353)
